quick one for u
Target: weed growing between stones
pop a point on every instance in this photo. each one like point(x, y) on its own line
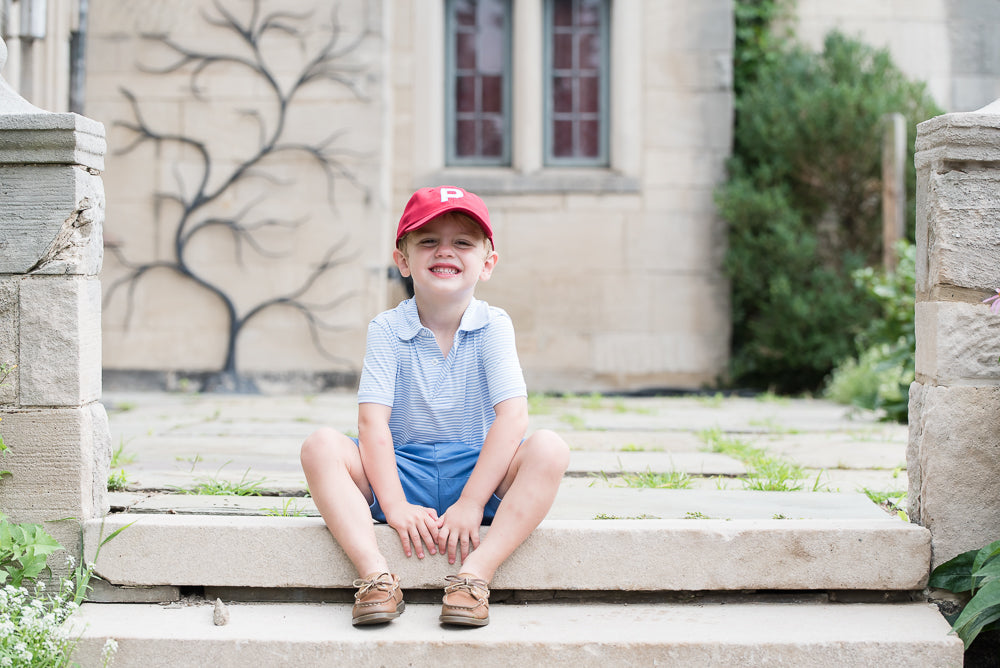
point(889, 501)
point(118, 480)
point(714, 401)
point(287, 509)
point(764, 472)
point(650, 480)
point(216, 487)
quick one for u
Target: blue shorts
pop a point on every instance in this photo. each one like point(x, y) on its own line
point(433, 475)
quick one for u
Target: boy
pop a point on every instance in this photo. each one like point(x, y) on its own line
point(442, 411)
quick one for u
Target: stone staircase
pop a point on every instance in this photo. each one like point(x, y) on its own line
point(837, 590)
point(718, 578)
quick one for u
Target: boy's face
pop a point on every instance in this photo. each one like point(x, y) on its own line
point(450, 254)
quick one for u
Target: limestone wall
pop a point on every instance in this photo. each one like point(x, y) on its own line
point(953, 460)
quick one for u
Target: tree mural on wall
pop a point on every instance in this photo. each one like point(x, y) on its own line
point(197, 204)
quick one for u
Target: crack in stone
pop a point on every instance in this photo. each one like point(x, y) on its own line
point(75, 235)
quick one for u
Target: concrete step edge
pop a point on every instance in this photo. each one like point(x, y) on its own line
point(589, 555)
point(302, 635)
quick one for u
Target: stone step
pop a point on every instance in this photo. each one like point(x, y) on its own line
point(577, 500)
point(534, 634)
point(176, 550)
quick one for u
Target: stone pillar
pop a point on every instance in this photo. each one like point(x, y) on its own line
point(51, 248)
point(953, 457)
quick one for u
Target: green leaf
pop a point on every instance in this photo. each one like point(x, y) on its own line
point(986, 554)
point(115, 533)
point(982, 609)
point(989, 572)
point(955, 574)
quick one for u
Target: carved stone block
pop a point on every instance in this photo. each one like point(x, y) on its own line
point(53, 217)
point(60, 340)
point(953, 463)
point(957, 343)
point(59, 459)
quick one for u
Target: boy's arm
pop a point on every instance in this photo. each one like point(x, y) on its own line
point(415, 525)
point(459, 526)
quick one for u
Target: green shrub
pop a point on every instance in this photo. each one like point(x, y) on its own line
point(879, 377)
point(803, 203)
point(794, 318)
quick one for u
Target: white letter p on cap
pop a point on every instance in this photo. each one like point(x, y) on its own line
point(450, 193)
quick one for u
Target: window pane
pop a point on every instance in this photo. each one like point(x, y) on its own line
point(562, 95)
point(465, 51)
point(478, 81)
point(491, 51)
point(589, 13)
point(492, 100)
point(562, 51)
point(465, 138)
point(562, 14)
point(589, 100)
point(590, 139)
point(492, 133)
point(590, 52)
point(563, 139)
point(465, 94)
point(464, 12)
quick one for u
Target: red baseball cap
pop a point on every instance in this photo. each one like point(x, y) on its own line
point(428, 203)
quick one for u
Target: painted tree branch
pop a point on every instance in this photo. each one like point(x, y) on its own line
point(329, 64)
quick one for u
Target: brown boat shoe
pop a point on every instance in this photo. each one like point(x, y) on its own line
point(466, 601)
point(378, 599)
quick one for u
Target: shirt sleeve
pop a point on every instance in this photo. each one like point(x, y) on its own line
point(378, 375)
point(502, 367)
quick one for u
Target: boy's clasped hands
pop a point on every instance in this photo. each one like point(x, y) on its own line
point(456, 533)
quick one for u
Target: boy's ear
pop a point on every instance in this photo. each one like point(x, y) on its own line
point(488, 265)
point(401, 262)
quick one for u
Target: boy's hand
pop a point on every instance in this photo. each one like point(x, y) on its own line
point(416, 525)
point(458, 529)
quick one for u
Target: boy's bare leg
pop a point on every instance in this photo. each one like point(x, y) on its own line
point(336, 478)
point(528, 490)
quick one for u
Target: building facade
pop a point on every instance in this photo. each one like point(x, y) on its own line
point(260, 153)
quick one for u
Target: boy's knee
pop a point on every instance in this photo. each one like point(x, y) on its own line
point(549, 450)
point(321, 444)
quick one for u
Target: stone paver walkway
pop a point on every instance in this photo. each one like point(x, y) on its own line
point(171, 441)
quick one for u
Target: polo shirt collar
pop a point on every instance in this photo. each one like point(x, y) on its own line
point(476, 316)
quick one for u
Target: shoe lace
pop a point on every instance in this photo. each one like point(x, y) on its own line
point(467, 585)
point(377, 582)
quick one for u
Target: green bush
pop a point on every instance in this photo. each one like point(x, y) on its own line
point(794, 318)
point(803, 203)
point(879, 377)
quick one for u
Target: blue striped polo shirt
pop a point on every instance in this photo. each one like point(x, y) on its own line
point(437, 399)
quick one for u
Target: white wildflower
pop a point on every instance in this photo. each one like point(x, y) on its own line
point(109, 650)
